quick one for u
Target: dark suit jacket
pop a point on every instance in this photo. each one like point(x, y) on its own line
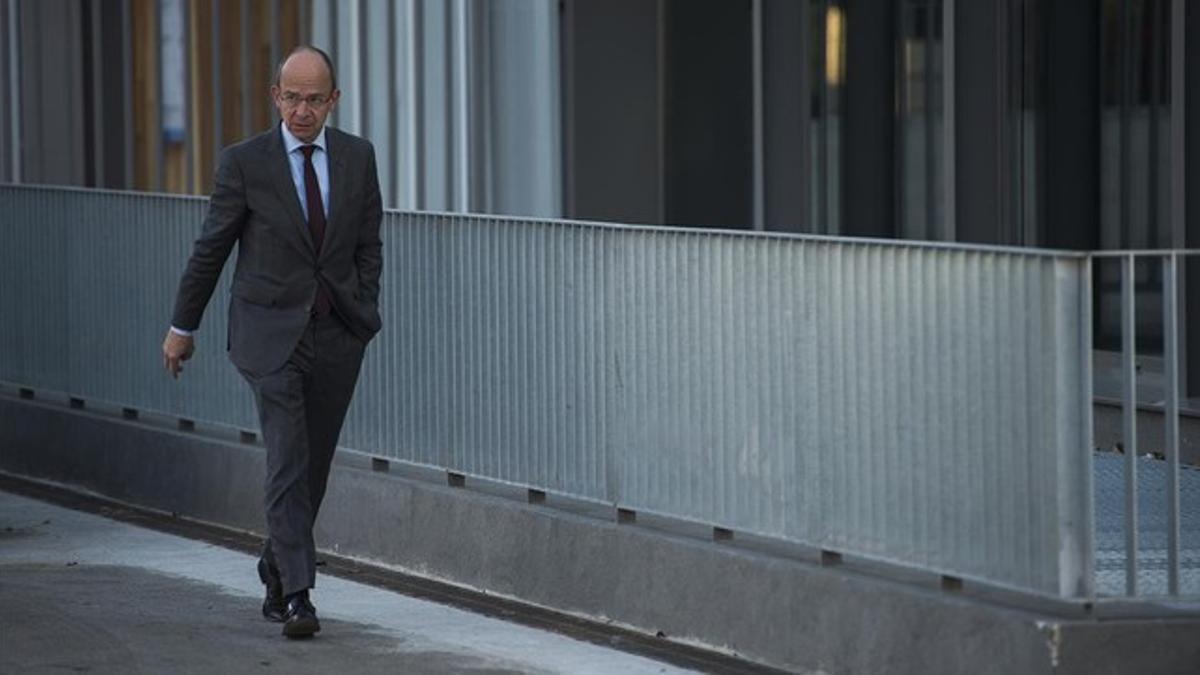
point(254, 204)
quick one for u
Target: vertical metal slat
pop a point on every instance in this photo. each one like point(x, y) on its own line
point(1171, 386)
point(1087, 426)
point(1129, 426)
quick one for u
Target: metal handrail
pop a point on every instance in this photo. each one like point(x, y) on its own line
point(1171, 364)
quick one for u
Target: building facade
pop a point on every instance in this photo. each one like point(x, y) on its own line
point(1016, 122)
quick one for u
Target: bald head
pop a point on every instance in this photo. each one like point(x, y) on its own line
point(311, 51)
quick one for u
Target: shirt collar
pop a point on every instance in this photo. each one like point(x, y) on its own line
point(290, 142)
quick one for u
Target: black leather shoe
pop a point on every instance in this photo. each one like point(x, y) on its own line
point(300, 620)
point(273, 607)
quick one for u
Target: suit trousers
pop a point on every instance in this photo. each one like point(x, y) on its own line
point(301, 408)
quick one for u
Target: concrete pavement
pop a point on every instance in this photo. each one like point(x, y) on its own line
point(79, 593)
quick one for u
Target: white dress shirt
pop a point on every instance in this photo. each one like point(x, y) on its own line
point(320, 160)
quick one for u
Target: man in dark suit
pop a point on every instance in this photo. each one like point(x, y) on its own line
point(302, 203)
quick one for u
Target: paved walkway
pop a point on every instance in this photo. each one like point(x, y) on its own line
point(79, 593)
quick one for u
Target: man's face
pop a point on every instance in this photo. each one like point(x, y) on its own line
point(305, 95)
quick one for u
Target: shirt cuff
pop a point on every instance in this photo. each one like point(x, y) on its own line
point(180, 331)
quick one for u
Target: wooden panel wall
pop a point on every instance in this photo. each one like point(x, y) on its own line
point(260, 66)
point(237, 96)
point(145, 94)
point(200, 117)
point(231, 72)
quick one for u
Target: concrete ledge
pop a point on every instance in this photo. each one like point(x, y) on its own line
point(769, 609)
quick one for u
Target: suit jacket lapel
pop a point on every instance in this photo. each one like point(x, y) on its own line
point(337, 186)
point(280, 170)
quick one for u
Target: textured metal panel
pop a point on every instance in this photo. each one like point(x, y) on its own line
point(922, 404)
point(89, 282)
point(33, 332)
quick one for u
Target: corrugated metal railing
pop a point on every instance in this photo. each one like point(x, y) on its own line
point(923, 404)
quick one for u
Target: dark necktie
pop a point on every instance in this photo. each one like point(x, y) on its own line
point(316, 221)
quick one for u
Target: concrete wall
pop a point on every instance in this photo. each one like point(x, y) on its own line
point(785, 610)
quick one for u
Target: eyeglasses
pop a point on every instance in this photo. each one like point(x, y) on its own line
point(293, 100)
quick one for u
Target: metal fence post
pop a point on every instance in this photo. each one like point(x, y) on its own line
point(1129, 428)
point(1171, 386)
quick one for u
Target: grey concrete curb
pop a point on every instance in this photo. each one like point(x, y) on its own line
point(770, 609)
